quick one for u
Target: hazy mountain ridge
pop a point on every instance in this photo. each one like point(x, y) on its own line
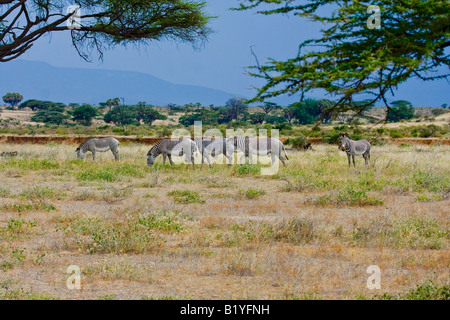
point(39, 80)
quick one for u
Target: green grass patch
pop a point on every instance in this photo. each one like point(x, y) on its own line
point(425, 291)
point(185, 196)
point(251, 193)
point(247, 169)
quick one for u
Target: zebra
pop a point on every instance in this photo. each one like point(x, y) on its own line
point(172, 147)
point(213, 147)
point(100, 145)
point(352, 148)
point(250, 146)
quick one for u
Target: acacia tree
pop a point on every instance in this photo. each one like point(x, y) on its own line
point(350, 58)
point(236, 107)
point(268, 107)
point(12, 98)
point(101, 25)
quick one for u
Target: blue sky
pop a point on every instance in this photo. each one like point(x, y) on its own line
point(221, 63)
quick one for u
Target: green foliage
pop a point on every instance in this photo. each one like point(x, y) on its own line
point(298, 142)
point(349, 58)
point(425, 291)
point(247, 169)
point(52, 115)
point(251, 193)
point(12, 98)
point(110, 236)
point(84, 114)
point(257, 117)
point(423, 233)
point(132, 115)
point(110, 173)
point(237, 108)
point(185, 196)
point(401, 112)
point(36, 105)
point(109, 23)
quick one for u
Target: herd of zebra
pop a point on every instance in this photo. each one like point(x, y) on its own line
point(249, 146)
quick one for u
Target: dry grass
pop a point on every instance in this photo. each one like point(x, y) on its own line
point(308, 232)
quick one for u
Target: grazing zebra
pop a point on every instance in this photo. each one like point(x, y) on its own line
point(213, 147)
point(172, 147)
point(352, 147)
point(259, 146)
point(99, 144)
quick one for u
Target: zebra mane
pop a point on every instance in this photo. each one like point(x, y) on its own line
point(84, 143)
point(155, 148)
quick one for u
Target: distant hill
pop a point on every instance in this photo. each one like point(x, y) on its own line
point(39, 80)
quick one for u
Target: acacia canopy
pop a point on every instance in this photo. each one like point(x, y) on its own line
point(350, 58)
point(101, 24)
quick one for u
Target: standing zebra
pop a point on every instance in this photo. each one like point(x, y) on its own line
point(100, 145)
point(214, 147)
point(172, 147)
point(352, 148)
point(259, 146)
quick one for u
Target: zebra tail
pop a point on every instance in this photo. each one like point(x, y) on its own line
point(285, 154)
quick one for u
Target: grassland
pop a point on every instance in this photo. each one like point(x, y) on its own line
point(308, 232)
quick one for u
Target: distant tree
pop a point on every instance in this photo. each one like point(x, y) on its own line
point(12, 98)
point(268, 107)
point(444, 105)
point(289, 113)
point(402, 111)
point(207, 117)
point(149, 115)
point(52, 115)
point(275, 119)
point(306, 112)
point(35, 105)
point(73, 105)
point(399, 103)
point(112, 102)
point(257, 117)
point(122, 115)
point(84, 114)
point(237, 107)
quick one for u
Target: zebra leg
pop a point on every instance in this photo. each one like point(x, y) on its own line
point(240, 160)
point(272, 157)
point(93, 155)
point(353, 158)
point(170, 159)
point(282, 159)
point(116, 155)
point(209, 162)
point(366, 158)
point(164, 158)
point(348, 157)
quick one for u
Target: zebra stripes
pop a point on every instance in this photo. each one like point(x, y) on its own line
point(259, 146)
point(354, 147)
point(101, 145)
point(172, 147)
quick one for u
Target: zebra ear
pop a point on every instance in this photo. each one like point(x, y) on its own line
point(346, 134)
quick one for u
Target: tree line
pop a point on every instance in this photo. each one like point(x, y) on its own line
point(234, 111)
